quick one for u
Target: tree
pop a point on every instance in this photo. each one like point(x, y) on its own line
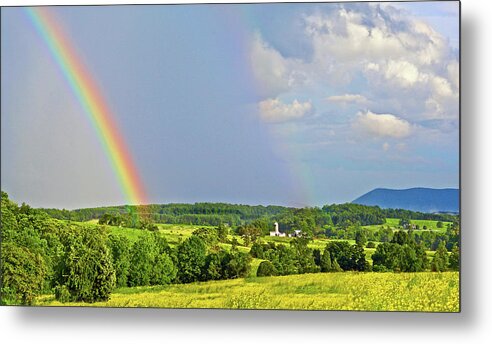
point(87, 273)
point(249, 233)
point(385, 234)
point(440, 261)
point(439, 224)
point(222, 232)
point(454, 258)
point(360, 237)
point(400, 238)
point(336, 267)
point(143, 254)
point(164, 271)
point(266, 268)
point(120, 253)
point(304, 256)
point(325, 263)
point(208, 235)
point(191, 259)
point(256, 250)
point(238, 264)
point(387, 255)
point(213, 267)
point(22, 274)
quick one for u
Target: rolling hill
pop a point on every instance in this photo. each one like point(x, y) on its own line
point(417, 199)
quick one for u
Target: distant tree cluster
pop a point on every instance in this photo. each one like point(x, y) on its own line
point(128, 220)
point(345, 215)
point(405, 254)
point(202, 214)
point(298, 258)
point(416, 215)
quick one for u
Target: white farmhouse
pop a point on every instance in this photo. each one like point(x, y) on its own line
point(277, 232)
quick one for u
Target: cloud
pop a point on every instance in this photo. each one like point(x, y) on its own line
point(273, 110)
point(382, 125)
point(274, 73)
point(348, 98)
point(405, 65)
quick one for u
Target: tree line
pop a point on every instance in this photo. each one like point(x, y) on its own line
point(430, 240)
point(212, 214)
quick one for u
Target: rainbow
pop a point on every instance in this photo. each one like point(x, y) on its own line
point(92, 101)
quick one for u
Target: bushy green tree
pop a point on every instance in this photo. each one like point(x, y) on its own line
point(23, 274)
point(349, 257)
point(142, 254)
point(120, 248)
point(25, 262)
point(257, 250)
point(213, 267)
point(387, 255)
point(222, 232)
point(191, 259)
point(335, 267)
point(238, 265)
point(249, 233)
point(304, 256)
point(266, 268)
point(360, 237)
point(164, 270)
point(400, 238)
point(208, 235)
point(87, 270)
point(454, 258)
point(325, 263)
point(440, 261)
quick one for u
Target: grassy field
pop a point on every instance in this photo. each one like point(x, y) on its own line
point(394, 224)
point(428, 292)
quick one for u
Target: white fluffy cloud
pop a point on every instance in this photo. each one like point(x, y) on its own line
point(274, 73)
point(406, 66)
point(382, 125)
point(273, 110)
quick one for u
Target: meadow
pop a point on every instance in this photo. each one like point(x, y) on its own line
point(394, 224)
point(359, 291)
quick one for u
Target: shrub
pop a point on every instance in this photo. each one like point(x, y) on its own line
point(266, 268)
point(371, 244)
point(62, 293)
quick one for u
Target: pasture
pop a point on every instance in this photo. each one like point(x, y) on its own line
point(394, 224)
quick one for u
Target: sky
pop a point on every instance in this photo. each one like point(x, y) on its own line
point(288, 104)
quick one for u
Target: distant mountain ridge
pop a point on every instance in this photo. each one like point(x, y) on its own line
point(425, 200)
